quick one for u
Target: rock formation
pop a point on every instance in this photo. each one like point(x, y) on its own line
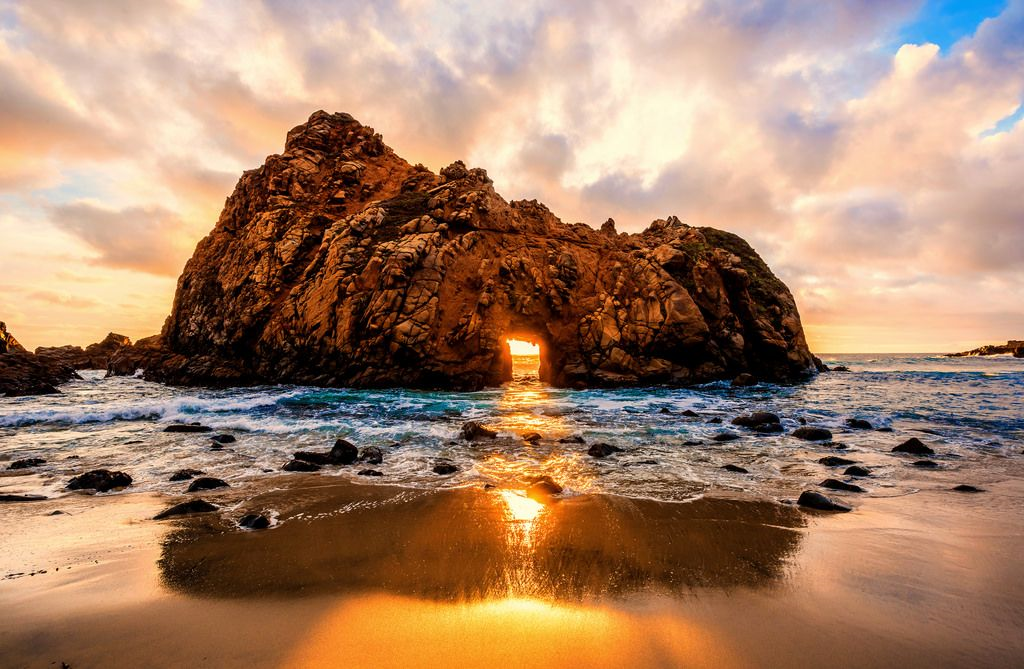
point(1013, 347)
point(22, 373)
point(93, 356)
point(338, 263)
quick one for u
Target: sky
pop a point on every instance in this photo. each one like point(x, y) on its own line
point(871, 151)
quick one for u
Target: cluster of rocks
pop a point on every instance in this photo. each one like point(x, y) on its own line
point(1014, 347)
point(23, 373)
point(337, 263)
point(93, 356)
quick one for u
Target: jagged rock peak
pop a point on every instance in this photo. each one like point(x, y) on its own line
point(339, 263)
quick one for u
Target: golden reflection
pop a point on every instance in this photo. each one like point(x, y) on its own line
point(521, 509)
point(511, 631)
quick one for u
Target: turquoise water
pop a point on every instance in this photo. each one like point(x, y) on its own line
point(971, 410)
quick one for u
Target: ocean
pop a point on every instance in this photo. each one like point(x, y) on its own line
point(970, 410)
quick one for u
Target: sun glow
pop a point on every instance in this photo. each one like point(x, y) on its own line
point(522, 347)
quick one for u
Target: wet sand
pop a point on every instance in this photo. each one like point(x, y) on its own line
point(378, 576)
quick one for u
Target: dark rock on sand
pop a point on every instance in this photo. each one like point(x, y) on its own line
point(224, 439)
point(186, 474)
point(835, 461)
point(532, 437)
point(715, 421)
point(313, 457)
point(690, 413)
point(445, 469)
point(254, 521)
point(602, 450)
point(815, 500)
point(371, 455)
point(185, 508)
point(574, 439)
point(840, 368)
point(884, 429)
point(543, 489)
point(963, 487)
point(188, 427)
point(857, 471)
point(473, 430)
point(735, 468)
point(858, 424)
point(836, 484)
point(925, 464)
point(100, 480)
point(22, 498)
point(207, 483)
point(26, 463)
point(370, 472)
point(913, 446)
point(808, 433)
point(691, 442)
point(301, 466)
point(725, 436)
point(343, 453)
point(768, 428)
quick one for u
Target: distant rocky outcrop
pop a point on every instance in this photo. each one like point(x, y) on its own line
point(338, 263)
point(1014, 347)
point(22, 373)
point(93, 356)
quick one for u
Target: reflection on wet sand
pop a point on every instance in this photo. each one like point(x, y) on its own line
point(474, 544)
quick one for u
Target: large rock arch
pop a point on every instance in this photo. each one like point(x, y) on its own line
point(338, 263)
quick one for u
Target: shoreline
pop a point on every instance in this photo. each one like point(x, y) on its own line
point(380, 576)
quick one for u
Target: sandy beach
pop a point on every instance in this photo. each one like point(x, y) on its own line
point(378, 576)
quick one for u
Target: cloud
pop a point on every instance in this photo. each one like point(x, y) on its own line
point(138, 238)
point(858, 166)
point(70, 301)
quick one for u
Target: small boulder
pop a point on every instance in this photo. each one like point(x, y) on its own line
point(808, 433)
point(371, 455)
point(186, 474)
point(207, 483)
point(815, 500)
point(744, 380)
point(925, 464)
point(574, 439)
point(543, 489)
point(301, 466)
point(313, 457)
point(187, 427)
point(473, 431)
point(100, 480)
point(884, 429)
point(602, 450)
point(840, 368)
point(26, 463)
point(735, 468)
point(224, 439)
point(836, 484)
point(768, 428)
point(690, 413)
point(858, 424)
point(254, 521)
point(857, 470)
point(445, 468)
point(664, 410)
point(532, 437)
point(343, 453)
point(725, 436)
point(914, 446)
point(963, 487)
point(185, 508)
point(369, 472)
point(835, 461)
